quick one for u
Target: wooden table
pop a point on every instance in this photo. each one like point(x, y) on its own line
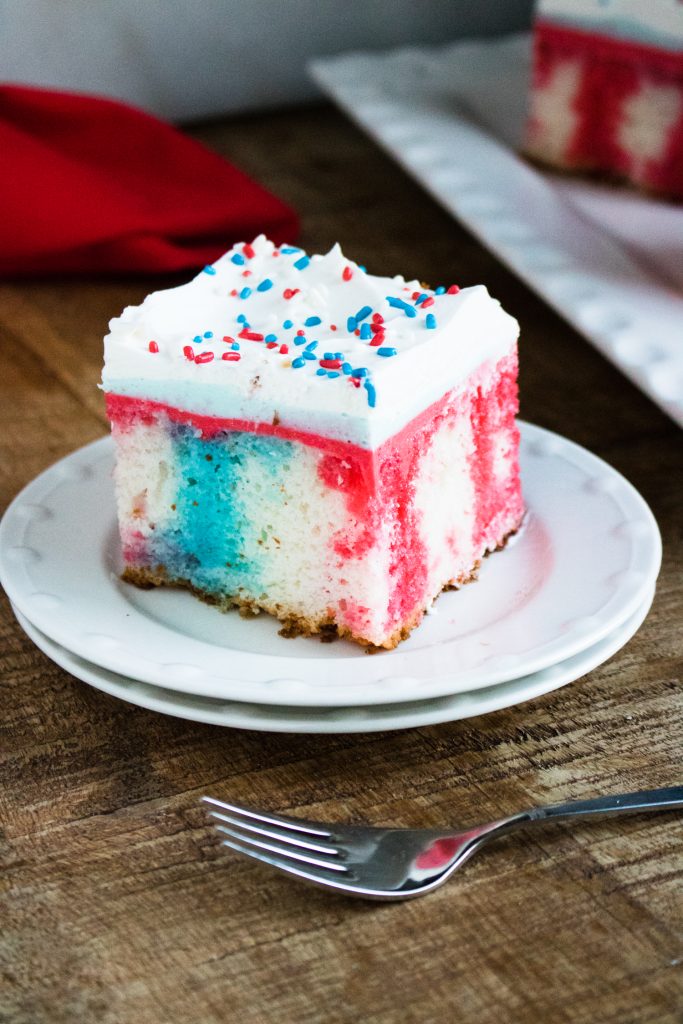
point(118, 904)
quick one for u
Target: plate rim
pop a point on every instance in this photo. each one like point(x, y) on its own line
point(358, 719)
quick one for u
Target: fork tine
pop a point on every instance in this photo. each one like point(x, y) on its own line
point(289, 868)
point(282, 835)
point(283, 853)
point(297, 824)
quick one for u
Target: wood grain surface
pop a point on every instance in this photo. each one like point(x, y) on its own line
point(117, 903)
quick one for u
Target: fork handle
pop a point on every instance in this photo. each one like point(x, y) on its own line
point(667, 799)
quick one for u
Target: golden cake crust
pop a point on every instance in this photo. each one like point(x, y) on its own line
point(292, 625)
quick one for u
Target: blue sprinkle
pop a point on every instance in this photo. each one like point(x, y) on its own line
point(400, 304)
point(421, 298)
point(265, 285)
point(430, 321)
point(287, 249)
point(338, 355)
point(386, 350)
point(441, 290)
point(320, 372)
point(197, 339)
point(365, 332)
point(332, 374)
point(271, 337)
point(329, 355)
point(287, 324)
point(299, 341)
point(238, 259)
point(351, 324)
point(245, 293)
point(241, 318)
point(360, 372)
point(372, 394)
point(298, 363)
point(208, 334)
point(364, 269)
point(311, 346)
point(235, 346)
point(307, 354)
point(209, 269)
point(302, 263)
point(311, 321)
point(362, 313)
point(346, 367)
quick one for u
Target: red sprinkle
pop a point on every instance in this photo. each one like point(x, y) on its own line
point(376, 328)
point(347, 273)
point(204, 357)
point(271, 344)
point(248, 251)
point(429, 301)
point(226, 337)
point(275, 252)
point(234, 291)
point(246, 273)
point(355, 381)
point(231, 357)
point(289, 293)
point(188, 352)
point(453, 290)
point(416, 295)
point(300, 334)
point(357, 332)
point(333, 327)
point(284, 350)
point(377, 318)
point(377, 341)
point(250, 335)
point(330, 364)
point(153, 347)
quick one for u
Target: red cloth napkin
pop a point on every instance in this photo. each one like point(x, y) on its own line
point(89, 185)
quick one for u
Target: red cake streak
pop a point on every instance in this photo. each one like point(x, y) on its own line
point(493, 413)
point(575, 42)
point(378, 486)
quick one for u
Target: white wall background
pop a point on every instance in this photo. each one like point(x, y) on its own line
point(183, 60)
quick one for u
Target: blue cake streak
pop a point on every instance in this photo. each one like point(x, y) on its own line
point(214, 540)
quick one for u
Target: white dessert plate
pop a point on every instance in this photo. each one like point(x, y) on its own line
point(367, 718)
point(609, 260)
point(585, 559)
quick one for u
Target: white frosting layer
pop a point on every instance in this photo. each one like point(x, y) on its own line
point(471, 329)
point(653, 22)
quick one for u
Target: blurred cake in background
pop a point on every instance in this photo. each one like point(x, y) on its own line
point(607, 92)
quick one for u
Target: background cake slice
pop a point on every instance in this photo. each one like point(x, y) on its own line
point(607, 92)
point(297, 436)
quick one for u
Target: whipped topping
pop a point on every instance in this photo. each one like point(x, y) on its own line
point(316, 343)
point(657, 24)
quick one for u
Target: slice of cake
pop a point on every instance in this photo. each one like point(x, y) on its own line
point(607, 93)
point(295, 435)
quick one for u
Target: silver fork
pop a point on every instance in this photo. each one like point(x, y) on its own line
point(395, 863)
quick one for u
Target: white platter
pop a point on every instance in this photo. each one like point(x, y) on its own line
point(607, 259)
point(583, 563)
point(375, 718)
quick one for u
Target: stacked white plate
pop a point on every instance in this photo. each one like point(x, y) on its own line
point(570, 590)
